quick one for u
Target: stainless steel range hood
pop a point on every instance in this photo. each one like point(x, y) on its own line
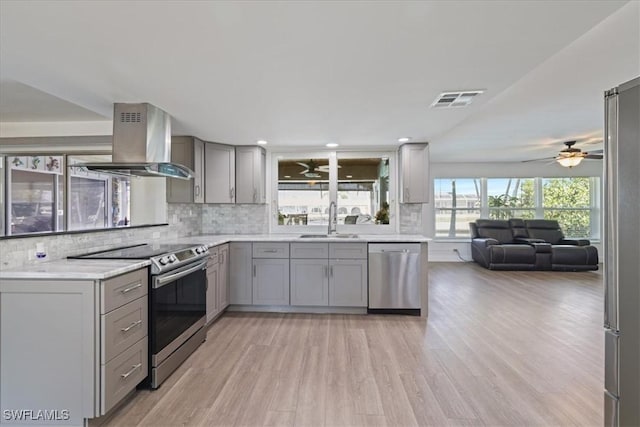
point(141, 144)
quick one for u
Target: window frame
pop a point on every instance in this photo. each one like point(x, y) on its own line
point(594, 209)
point(333, 157)
point(62, 184)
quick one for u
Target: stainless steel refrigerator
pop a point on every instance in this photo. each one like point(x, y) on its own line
point(622, 255)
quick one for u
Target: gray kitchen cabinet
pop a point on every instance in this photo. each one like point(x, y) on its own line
point(213, 283)
point(251, 167)
point(187, 151)
point(223, 277)
point(348, 282)
point(310, 282)
point(220, 175)
point(270, 281)
point(240, 273)
point(414, 173)
point(95, 338)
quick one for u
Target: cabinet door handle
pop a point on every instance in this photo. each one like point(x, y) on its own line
point(232, 192)
point(326, 271)
point(255, 195)
point(131, 326)
point(331, 271)
point(133, 369)
point(129, 289)
point(254, 271)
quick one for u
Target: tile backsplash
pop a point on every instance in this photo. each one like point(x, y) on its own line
point(235, 219)
point(185, 219)
point(411, 218)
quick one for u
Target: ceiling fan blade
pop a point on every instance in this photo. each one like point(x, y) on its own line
point(304, 165)
point(594, 156)
point(538, 160)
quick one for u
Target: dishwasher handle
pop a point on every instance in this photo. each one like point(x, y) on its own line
point(394, 248)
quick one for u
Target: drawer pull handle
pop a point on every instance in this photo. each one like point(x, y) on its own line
point(131, 326)
point(133, 369)
point(129, 289)
point(271, 251)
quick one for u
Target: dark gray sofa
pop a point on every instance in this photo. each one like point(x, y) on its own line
point(519, 244)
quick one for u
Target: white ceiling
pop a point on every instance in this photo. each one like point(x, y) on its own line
point(356, 73)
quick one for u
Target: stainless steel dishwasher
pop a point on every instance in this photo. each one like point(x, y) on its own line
point(394, 278)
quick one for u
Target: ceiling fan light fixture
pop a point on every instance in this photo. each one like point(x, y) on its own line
point(569, 162)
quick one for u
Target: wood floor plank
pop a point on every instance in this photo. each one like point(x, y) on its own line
point(498, 349)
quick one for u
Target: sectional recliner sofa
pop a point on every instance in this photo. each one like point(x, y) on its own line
point(538, 244)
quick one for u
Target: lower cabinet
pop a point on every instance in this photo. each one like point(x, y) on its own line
point(309, 282)
point(223, 276)
point(82, 344)
point(217, 281)
point(298, 274)
point(212, 286)
point(348, 282)
point(270, 281)
point(240, 273)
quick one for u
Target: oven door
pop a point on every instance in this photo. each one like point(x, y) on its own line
point(177, 308)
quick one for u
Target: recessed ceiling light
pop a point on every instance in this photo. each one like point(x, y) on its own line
point(332, 145)
point(261, 142)
point(404, 139)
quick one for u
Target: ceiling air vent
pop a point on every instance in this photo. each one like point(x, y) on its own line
point(455, 99)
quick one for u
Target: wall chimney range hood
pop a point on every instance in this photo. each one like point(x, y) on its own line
point(141, 144)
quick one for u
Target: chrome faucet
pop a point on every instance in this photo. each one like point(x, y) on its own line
point(333, 219)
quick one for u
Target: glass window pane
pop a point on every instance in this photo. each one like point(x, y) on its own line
point(506, 213)
point(457, 202)
point(32, 201)
point(511, 193)
point(303, 192)
point(455, 222)
point(363, 191)
point(574, 222)
point(87, 199)
point(120, 197)
point(566, 192)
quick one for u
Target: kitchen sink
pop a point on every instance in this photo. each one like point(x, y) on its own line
point(324, 236)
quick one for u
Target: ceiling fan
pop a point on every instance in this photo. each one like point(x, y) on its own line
point(312, 168)
point(570, 156)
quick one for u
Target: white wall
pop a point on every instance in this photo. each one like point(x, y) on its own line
point(443, 249)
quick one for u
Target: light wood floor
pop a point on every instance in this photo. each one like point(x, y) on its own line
point(498, 349)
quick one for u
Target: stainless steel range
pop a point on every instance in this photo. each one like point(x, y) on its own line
point(177, 303)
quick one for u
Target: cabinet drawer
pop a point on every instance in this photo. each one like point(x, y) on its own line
point(123, 373)
point(121, 290)
point(270, 250)
point(348, 250)
point(309, 250)
point(124, 327)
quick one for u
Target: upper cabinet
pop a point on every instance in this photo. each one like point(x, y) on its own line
point(220, 176)
point(251, 163)
point(414, 173)
point(187, 151)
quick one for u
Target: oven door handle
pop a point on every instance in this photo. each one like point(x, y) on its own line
point(160, 281)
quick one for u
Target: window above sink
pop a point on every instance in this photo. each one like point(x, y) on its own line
point(362, 185)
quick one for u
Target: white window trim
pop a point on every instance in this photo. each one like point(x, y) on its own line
point(333, 156)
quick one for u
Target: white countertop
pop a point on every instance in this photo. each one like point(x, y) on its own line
point(78, 269)
point(74, 269)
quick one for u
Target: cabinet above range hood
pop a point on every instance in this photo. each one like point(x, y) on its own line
point(141, 144)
